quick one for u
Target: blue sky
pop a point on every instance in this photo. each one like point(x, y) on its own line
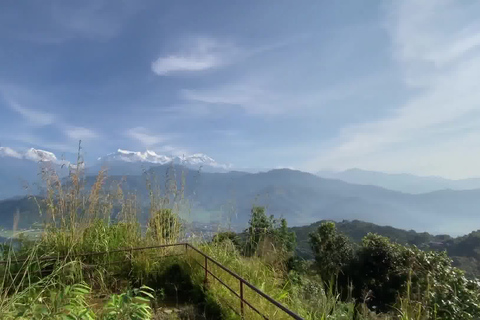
point(314, 85)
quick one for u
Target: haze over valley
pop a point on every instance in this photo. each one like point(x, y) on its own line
point(216, 192)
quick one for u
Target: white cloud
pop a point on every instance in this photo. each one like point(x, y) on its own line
point(9, 152)
point(80, 133)
point(172, 150)
point(92, 18)
point(253, 99)
point(437, 47)
point(34, 117)
point(204, 53)
point(155, 142)
point(199, 54)
point(266, 96)
point(37, 141)
point(60, 21)
point(142, 135)
point(166, 65)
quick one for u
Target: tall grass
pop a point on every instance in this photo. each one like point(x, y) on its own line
point(80, 218)
point(101, 217)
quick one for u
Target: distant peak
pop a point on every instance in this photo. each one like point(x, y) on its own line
point(152, 153)
point(40, 155)
point(149, 156)
point(355, 170)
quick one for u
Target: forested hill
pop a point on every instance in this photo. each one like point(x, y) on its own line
point(464, 250)
point(357, 229)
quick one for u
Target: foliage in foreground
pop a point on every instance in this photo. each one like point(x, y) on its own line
point(64, 302)
point(377, 280)
point(385, 275)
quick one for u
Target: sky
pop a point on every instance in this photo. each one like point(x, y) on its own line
point(313, 85)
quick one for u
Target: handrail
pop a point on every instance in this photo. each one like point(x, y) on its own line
point(251, 286)
point(207, 258)
point(89, 254)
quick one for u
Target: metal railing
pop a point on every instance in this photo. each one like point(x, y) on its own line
point(207, 260)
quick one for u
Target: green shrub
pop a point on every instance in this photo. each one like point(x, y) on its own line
point(131, 305)
point(56, 303)
point(333, 251)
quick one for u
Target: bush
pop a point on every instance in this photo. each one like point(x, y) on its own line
point(266, 235)
point(387, 276)
point(227, 236)
point(333, 251)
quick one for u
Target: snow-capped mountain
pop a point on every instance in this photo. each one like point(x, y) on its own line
point(31, 154)
point(120, 156)
point(19, 170)
point(150, 157)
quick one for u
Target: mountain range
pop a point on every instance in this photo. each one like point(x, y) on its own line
point(303, 198)
point(20, 170)
point(152, 158)
point(400, 181)
point(217, 194)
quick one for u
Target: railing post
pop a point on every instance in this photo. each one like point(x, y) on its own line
point(206, 270)
point(131, 262)
point(241, 299)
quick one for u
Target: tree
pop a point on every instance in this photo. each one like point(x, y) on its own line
point(388, 271)
point(259, 227)
point(267, 234)
point(227, 236)
point(286, 239)
point(378, 271)
point(333, 251)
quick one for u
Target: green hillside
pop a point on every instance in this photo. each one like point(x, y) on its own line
point(464, 250)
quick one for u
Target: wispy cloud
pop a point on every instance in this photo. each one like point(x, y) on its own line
point(64, 135)
point(265, 96)
point(146, 138)
point(155, 142)
point(34, 117)
point(172, 150)
point(205, 53)
point(30, 140)
point(59, 21)
point(80, 133)
point(253, 99)
point(436, 45)
point(199, 54)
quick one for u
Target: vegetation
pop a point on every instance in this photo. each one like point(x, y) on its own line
point(372, 279)
point(381, 271)
point(266, 234)
point(299, 197)
point(333, 251)
point(464, 251)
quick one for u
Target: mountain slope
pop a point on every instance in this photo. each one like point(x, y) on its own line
point(303, 198)
point(20, 171)
point(401, 182)
point(18, 213)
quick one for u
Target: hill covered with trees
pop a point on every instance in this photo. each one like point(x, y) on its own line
point(464, 250)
